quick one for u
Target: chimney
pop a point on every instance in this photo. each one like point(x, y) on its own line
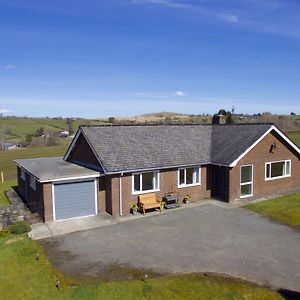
point(221, 119)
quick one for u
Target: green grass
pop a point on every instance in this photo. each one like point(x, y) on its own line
point(5, 186)
point(24, 277)
point(295, 137)
point(6, 157)
point(284, 209)
point(14, 129)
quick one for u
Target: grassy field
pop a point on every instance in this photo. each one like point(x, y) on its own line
point(284, 209)
point(25, 277)
point(3, 188)
point(6, 157)
point(15, 129)
point(295, 137)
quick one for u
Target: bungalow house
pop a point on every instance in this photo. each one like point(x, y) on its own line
point(106, 168)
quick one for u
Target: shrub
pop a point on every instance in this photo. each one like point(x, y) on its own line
point(4, 233)
point(19, 227)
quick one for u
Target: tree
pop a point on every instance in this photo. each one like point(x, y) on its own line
point(293, 114)
point(229, 119)
point(70, 125)
point(28, 139)
point(39, 131)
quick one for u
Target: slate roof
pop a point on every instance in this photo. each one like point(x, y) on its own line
point(133, 148)
point(53, 168)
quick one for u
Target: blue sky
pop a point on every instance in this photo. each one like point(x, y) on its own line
point(97, 58)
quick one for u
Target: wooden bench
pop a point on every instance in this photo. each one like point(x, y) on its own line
point(148, 201)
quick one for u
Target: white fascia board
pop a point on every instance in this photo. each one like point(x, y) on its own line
point(80, 131)
point(70, 178)
point(234, 163)
point(73, 143)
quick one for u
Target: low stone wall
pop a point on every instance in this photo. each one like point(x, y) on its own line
point(17, 210)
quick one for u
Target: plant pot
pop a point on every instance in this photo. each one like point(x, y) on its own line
point(134, 211)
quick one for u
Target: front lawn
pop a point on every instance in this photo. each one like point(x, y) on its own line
point(26, 275)
point(5, 186)
point(285, 209)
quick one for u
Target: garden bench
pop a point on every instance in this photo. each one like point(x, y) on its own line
point(148, 201)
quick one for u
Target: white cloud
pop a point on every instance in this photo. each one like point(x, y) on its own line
point(180, 94)
point(4, 111)
point(168, 3)
point(10, 66)
point(230, 18)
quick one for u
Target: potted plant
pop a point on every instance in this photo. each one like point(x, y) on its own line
point(186, 199)
point(134, 209)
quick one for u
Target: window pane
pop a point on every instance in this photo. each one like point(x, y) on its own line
point(277, 169)
point(137, 183)
point(181, 177)
point(189, 175)
point(246, 189)
point(155, 180)
point(196, 175)
point(268, 174)
point(246, 174)
point(147, 181)
point(288, 167)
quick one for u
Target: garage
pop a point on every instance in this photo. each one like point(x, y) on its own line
point(74, 199)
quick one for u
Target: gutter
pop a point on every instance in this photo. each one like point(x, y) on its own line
point(120, 196)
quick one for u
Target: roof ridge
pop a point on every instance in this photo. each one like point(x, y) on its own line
point(169, 125)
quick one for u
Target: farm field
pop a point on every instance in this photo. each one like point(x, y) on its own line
point(8, 167)
point(295, 137)
point(15, 129)
point(32, 278)
point(285, 209)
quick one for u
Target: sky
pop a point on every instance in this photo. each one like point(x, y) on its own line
point(100, 58)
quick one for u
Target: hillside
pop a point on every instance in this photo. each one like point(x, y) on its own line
point(13, 129)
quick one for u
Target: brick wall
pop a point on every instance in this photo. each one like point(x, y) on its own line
point(258, 156)
point(47, 204)
point(32, 198)
point(168, 182)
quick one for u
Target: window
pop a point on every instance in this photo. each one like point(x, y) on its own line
point(33, 182)
point(188, 177)
point(145, 182)
point(278, 169)
point(246, 181)
point(22, 174)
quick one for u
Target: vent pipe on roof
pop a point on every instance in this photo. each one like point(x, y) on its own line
point(120, 196)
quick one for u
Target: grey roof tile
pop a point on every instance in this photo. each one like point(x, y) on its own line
point(128, 148)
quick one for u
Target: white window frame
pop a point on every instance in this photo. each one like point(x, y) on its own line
point(33, 182)
point(141, 183)
point(246, 183)
point(268, 164)
point(23, 174)
point(191, 184)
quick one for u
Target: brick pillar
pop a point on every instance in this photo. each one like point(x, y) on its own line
point(47, 200)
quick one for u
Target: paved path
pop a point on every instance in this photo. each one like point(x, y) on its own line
point(206, 238)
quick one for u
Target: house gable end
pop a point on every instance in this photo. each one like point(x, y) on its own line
point(80, 152)
point(273, 130)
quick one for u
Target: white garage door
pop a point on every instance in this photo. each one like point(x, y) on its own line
point(74, 199)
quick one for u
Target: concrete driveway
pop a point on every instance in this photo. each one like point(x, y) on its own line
point(207, 238)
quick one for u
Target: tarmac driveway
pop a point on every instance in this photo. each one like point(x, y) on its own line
point(207, 238)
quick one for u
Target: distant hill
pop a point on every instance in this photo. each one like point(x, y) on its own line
point(15, 129)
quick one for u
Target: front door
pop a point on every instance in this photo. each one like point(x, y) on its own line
point(220, 183)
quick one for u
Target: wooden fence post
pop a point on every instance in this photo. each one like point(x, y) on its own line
point(2, 177)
